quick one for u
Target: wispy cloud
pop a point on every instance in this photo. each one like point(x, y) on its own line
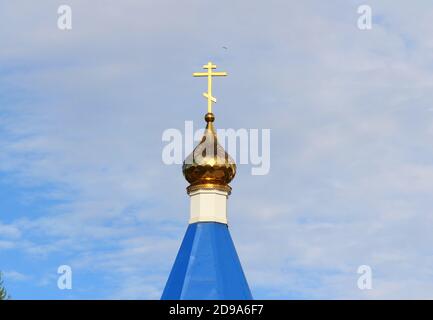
point(82, 113)
point(14, 276)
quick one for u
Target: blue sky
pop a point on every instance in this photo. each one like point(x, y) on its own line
point(82, 114)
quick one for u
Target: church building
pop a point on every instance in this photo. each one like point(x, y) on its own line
point(207, 265)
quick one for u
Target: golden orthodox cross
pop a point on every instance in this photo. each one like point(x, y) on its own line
point(209, 74)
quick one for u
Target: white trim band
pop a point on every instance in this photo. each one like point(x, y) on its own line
point(208, 206)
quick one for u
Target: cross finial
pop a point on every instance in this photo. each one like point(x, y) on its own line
point(209, 74)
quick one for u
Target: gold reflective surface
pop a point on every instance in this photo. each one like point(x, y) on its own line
point(209, 74)
point(209, 164)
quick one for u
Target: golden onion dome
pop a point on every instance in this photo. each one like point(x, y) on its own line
point(209, 166)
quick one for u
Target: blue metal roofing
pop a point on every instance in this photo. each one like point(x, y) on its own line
point(207, 266)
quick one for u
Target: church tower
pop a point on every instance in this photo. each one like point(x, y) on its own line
point(207, 265)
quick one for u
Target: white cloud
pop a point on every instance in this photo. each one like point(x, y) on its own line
point(9, 231)
point(14, 276)
point(350, 179)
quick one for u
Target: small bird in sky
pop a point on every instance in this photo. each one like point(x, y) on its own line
point(225, 47)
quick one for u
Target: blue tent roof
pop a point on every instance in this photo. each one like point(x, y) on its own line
point(207, 266)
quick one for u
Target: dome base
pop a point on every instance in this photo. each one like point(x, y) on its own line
point(208, 205)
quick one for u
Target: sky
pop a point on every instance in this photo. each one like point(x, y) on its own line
point(83, 111)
